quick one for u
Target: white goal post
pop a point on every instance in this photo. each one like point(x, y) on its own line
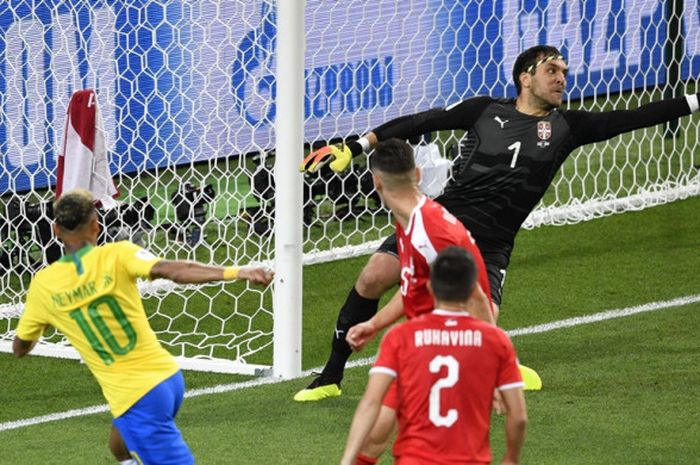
point(208, 107)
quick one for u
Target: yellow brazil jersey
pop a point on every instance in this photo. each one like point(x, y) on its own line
point(92, 298)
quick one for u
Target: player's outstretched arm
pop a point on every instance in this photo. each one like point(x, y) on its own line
point(339, 156)
point(461, 115)
point(515, 424)
point(599, 126)
point(363, 333)
point(188, 272)
point(20, 347)
point(365, 415)
point(255, 274)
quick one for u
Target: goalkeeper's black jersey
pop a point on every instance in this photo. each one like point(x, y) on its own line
point(510, 158)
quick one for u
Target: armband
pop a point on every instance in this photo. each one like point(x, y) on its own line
point(692, 100)
point(230, 273)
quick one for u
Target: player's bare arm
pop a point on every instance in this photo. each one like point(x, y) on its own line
point(365, 415)
point(187, 272)
point(20, 347)
point(480, 306)
point(515, 424)
point(256, 274)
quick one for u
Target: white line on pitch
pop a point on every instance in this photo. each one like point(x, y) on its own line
point(606, 315)
point(567, 323)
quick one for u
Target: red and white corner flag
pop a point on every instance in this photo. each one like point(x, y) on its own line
point(83, 163)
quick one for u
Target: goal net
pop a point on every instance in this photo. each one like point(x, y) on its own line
point(187, 91)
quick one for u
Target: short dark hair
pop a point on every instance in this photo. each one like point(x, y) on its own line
point(453, 275)
point(74, 209)
point(527, 61)
point(392, 156)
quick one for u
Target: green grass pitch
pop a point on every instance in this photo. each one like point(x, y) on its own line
point(621, 391)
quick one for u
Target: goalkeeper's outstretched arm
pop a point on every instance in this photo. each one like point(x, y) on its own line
point(188, 272)
point(599, 126)
point(458, 116)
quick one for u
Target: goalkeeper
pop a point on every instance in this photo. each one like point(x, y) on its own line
point(90, 295)
point(514, 149)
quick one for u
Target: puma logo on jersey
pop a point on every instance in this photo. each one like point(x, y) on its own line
point(500, 121)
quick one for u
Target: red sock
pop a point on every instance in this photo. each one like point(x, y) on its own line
point(364, 460)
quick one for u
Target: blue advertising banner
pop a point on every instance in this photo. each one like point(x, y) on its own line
point(183, 81)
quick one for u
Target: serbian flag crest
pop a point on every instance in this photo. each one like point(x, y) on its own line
point(83, 162)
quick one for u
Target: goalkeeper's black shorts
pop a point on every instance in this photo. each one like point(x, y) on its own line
point(496, 258)
point(389, 246)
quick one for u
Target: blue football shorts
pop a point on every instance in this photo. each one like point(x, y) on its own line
point(148, 427)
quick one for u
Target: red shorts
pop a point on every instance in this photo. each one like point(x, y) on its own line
point(391, 398)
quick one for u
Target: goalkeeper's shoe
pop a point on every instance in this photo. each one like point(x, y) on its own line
point(317, 391)
point(339, 158)
point(532, 380)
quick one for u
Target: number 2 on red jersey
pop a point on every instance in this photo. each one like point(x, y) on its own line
point(448, 381)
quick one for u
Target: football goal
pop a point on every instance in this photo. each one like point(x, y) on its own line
point(208, 106)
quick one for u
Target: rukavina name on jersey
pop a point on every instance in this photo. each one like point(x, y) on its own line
point(444, 337)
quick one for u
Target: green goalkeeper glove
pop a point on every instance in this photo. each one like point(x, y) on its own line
point(339, 157)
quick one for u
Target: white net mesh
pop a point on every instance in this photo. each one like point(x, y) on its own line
point(187, 93)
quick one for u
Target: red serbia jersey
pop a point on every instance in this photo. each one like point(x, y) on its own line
point(430, 229)
point(446, 366)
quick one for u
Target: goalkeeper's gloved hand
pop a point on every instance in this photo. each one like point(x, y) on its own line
point(339, 157)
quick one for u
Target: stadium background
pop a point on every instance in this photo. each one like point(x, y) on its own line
point(186, 81)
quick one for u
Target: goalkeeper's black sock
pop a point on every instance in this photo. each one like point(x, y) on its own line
point(355, 310)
